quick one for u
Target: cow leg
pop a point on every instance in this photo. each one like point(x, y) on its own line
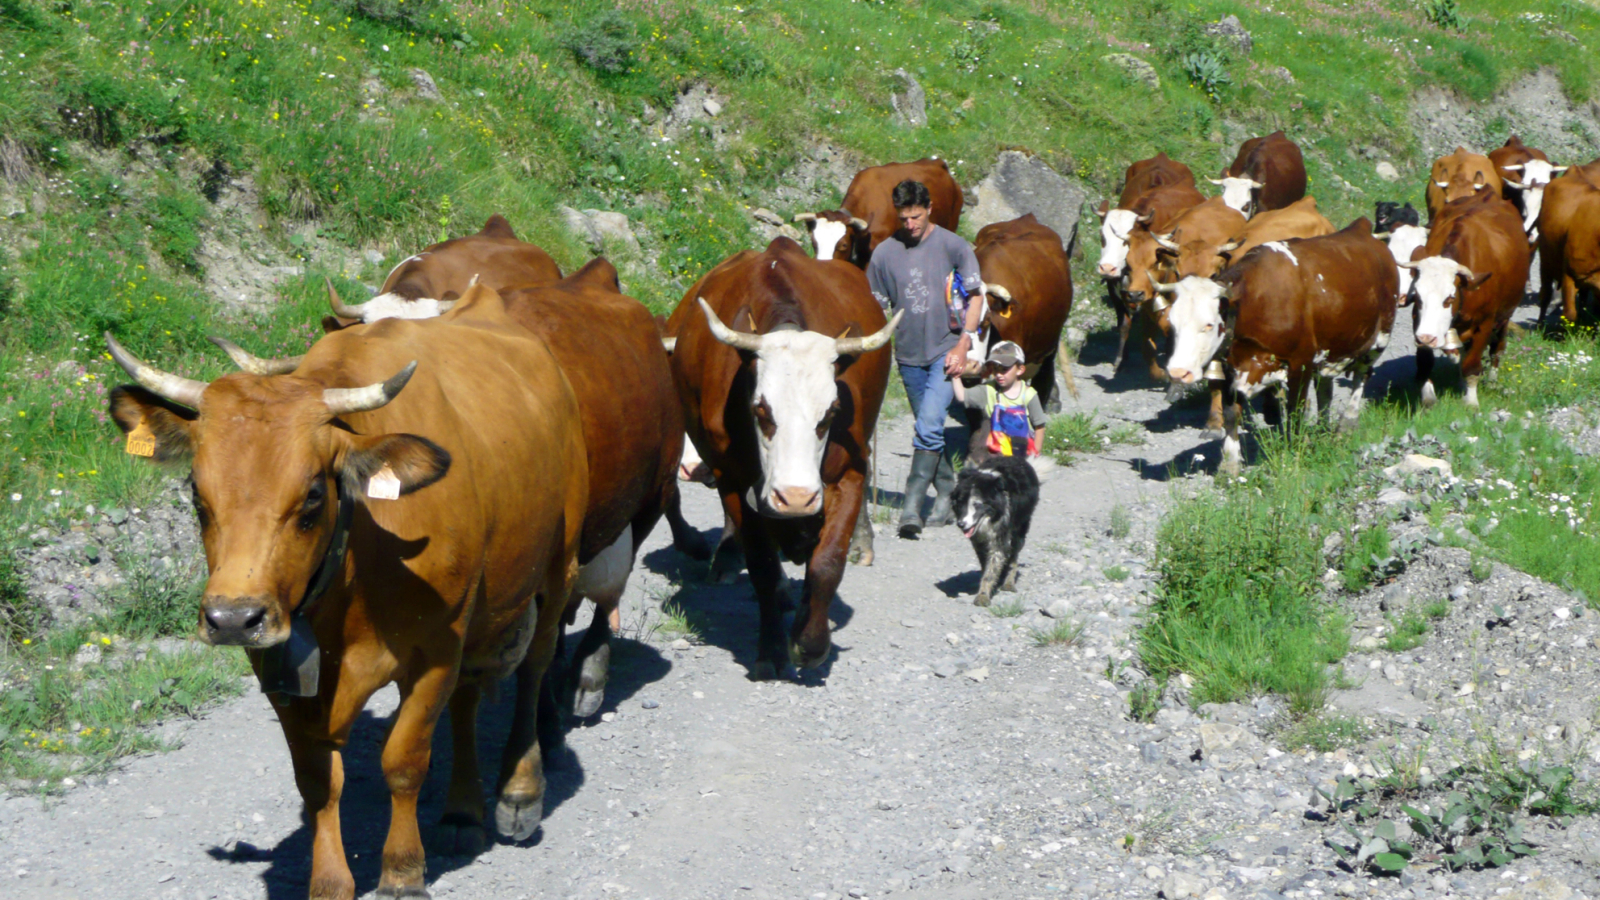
point(319, 774)
point(1232, 457)
point(602, 579)
point(1550, 273)
point(1044, 383)
point(1124, 325)
point(685, 537)
point(861, 541)
point(766, 577)
point(1472, 362)
point(1299, 384)
point(1063, 360)
point(1150, 345)
point(460, 828)
point(1324, 385)
point(811, 638)
point(1425, 376)
point(729, 559)
point(1569, 299)
point(1214, 423)
point(405, 767)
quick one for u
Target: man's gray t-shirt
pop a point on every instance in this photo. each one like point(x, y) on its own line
point(914, 279)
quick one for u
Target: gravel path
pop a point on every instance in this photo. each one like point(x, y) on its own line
point(941, 753)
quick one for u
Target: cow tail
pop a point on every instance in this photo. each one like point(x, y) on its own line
point(1064, 363)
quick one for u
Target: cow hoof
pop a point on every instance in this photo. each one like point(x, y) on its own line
point(1211, 434)
point(1429, 398)
point(1053, 407)
point(861, 557)
point(803, 660)
point(410, 892)
point(981, 600)
point(764, 670)
point(1010, 584)
point(333, 888)
point(586, 702)
point(911, 530)
point(517, 818)
point(457, 835)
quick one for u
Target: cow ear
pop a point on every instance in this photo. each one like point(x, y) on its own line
point(415, 462)
point(164, 427)
point(1103, 208)
point(330, 324)
point(1475, 281)
point(743, 320)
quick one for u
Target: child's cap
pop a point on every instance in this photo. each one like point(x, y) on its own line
point(1007, 354)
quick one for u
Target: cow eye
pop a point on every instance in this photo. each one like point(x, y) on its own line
point(1209, 327)
point(827, 420)
point(311, 507)
point(764, 420)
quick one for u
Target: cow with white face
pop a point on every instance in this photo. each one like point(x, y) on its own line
point(779, 366)
point(1118, 226)
point(1195, 310)
point(1535, 174)
point(838, 235)
point(1239, 193)
point(1403, 242)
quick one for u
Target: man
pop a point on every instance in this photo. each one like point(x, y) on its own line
point(928, 272)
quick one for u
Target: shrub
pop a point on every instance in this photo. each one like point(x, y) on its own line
point(1444, 14)
point(606, 43)
point(1207, 71)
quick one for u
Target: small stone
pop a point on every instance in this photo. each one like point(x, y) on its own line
point(1154, 873)
point(946, 670)
point(1216, 736)
point(105, 532)
point(1388, 172)
point(1138, 70)
point(712, 107)
point(1392, 496)
point(1060, 609)
point(154, 812)
point(978, 674)
point(427, 89)
point(650, 704)
point(887, 805)
point(1416, 463)
point(1180, 885)
point(912, 623)
point(1368, 643)
point(680, 644)
point(767, 216)
point(608, 717)
point(1150, 752)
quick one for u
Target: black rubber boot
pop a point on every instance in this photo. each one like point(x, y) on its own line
point(924, 464)
point(944, 481)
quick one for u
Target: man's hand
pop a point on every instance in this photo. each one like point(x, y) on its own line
point(955, 362)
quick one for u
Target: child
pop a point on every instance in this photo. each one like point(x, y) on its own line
point(1016, 418)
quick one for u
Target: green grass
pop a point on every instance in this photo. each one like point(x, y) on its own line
point(1116, 573)
point(1064, 633)
point(1324, 732)
point(1407, 631)
point(1008, 610)
point(1360, 561)
point(1238, 606)
point(1119, 523)
point(676, 622)
point(1083, 432)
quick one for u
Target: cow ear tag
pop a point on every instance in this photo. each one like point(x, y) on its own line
point(141, 440)
point(385, 485)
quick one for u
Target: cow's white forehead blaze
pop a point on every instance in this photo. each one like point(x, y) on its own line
point(1114, 233)
point(1436, 284)
point(1536, 173)
point(1236, 193)
point(394, 306)
point(828, 233)
point(795, 378)
point(1404, 241)
point(1197, 327)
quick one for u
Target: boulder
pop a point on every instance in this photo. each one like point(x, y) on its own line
point(427, 89)
point(1135, 68)
point(910, 107)
point(600, 228)
point(1020, 184)
point(1231, 31)
point(1388, 172)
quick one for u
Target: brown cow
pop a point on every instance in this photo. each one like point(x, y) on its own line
point(1124, 228)
point(427, 537)
point(1191, 247)
point(1469, 279)
point(424, 285)
point(1299, 219)
point(1029, 284)
point(867, 218)
point(1569, 239)
point(1459, 175)
point(1288, 312)
point(1146, 175)
point(1524, 171)
point(1268, 173)
point(782, 400)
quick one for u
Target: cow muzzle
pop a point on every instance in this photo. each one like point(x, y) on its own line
point(1428, 340)
point(1107, 270)
point(1183, 376)
point(233, 622)
point(795, 501)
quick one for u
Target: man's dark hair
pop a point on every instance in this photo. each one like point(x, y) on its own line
point(911, 193)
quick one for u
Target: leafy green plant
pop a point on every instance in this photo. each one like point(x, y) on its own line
point(1437, 609)
point(1083, 432)
point(1206, 70)
point(1361, 561)
point(605, 42)
point(1481, 569)
point(1144, 701)
point(1119, 523)
point(1008, 610)
point(1406, 632)
point(1116, 573)
point(1444, 14)
point(1324, 732)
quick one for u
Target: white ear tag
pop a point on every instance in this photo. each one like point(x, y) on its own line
point(385, 485)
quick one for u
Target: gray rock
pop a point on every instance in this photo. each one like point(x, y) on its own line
point(712, 107)
point(1150, 752)
point(1060, 609)
point(767, 216)
point(1020, 184)
point(1136, 69)
point(910, 106)
point(1215, 736)
point(946, 669)
point(649, 704)
point(1388, 172)
point(1231, 30)
point(580, 226)
point(613, 228)
point(1180, 885)
point(427, 89)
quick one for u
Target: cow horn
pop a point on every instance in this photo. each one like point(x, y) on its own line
point(805, 217)
point(998, 290)
point(860, 345)
point(1383, 235)
point(858, 222)
point(1230, 246)
point(1216, 181)
point(1516, 168)
point(1443, 184)
point(339, 309)
point(341, 401)
point(253, 364)
point(1166, 244)
point(1559, 169)
point(669, 344)
point(1163, 287)
point(180, 390)
point(1464, 272)
point(1519, 185)
point(1144, 219)
point(1257, 185)
point(1408, 265)
point(738, 340)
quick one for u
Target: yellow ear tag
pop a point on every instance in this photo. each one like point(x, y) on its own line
point(385, 485)
point(1005, 313)
point(141, 441)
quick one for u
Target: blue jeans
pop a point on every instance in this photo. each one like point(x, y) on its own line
point(931, 395)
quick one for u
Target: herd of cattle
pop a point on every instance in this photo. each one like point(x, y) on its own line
point(426, 496)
